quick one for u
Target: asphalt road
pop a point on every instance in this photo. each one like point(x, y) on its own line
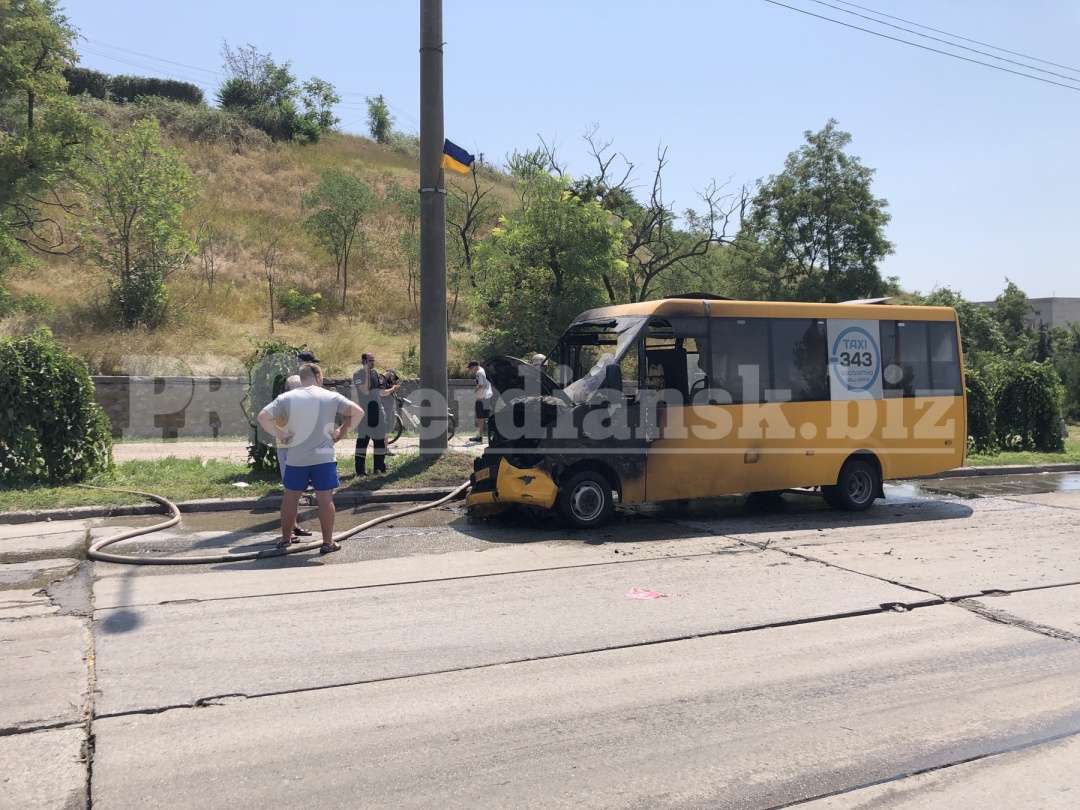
point(923, 654)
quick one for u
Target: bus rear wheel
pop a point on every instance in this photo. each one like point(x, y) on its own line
point(856, 487)
point(585, 500)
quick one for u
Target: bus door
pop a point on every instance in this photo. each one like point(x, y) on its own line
point(676, 413)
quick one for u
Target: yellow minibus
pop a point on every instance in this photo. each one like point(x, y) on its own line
point(697, 396)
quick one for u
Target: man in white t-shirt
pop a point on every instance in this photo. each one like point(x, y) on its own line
point(310, 433)
point(484, 395)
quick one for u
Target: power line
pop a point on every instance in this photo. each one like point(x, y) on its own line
point(946, 42)
point(214, 73)
point(923, 47)
point(153, 68)
point(957, 36)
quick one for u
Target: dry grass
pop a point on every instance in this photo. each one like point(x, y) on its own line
point(247, 193)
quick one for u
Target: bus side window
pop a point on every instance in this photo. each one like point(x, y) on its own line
point(905, 359)
point(740, 356)
point(800, 359)
point(944, 359)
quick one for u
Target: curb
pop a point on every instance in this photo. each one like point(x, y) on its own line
point(1011, 469)
point(265, 503)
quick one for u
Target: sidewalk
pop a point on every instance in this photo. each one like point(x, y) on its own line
point(235, 450)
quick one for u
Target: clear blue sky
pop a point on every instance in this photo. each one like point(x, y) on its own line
point(980, 167)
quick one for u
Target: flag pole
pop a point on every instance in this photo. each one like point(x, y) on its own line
point(432, 225)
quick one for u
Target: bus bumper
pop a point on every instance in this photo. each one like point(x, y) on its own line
point(531, 487)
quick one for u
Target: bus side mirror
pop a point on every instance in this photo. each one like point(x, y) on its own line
point(613, 377)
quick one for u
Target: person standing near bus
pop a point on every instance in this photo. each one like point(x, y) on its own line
point(484, 395)
point(371, 390)
point(310, 433)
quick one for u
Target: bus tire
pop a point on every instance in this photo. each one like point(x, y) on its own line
point(856, 487)
point(585, 500)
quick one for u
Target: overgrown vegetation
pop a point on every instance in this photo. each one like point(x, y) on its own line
point(51, 429)
point(1022, 376)
point(194, 479)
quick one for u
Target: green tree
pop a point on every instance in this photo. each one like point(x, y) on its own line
point(664, 249)
point(1028, 399)
point(267, 96)
point(542, 266)
point(1066, 359)
point(380, 122)
point(341, 202)
point(1011, 311)
point(408, 240)
point(137, 191)
point(815, 229)
point(471, 212)
point(42, 134)
point(980, 332)
point(51, 429)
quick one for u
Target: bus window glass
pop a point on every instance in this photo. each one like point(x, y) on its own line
point(944, 358)
point(905, 359)
point(739, 342)
point(799, 360)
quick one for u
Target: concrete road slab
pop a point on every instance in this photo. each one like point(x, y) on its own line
point(176, 654)
point(44, 769)
point(1001, 546)
point(45, 674)
point(1063, 500)
point(119, 586)
point(1057, 608)
point(26, 602)
point(1039, 776)
point(37, 573)
point(741, 721)
point(15, 531)
point(51, 544)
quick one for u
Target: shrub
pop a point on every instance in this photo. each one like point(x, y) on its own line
point(51, 429)
point(267, 368)
point(409, 366)
point(981, 415)
point(1028, 407)
point(295, 305)
point(125, 89)
point(83, 80)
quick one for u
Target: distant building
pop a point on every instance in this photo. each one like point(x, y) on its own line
point(1051, 311)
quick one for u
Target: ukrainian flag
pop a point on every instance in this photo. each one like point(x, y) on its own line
point(456, 158)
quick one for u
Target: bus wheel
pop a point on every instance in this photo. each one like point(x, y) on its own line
point(856, 487)
point(585, 500)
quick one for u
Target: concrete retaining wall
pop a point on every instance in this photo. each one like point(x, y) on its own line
point(171, 407)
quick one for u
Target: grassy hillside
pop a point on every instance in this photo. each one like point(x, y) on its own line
point(247, 188)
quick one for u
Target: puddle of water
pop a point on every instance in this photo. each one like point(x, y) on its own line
point(993, 485)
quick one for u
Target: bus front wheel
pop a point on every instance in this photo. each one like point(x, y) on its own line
point(856, 487)
point(585, 500)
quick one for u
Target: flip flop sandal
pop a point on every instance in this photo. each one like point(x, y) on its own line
point(324, 549)
point(284, 543)
point(298, 532)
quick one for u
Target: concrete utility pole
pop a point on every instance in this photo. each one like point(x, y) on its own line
point(432, 221)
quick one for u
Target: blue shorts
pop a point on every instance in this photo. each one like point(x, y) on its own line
point(321, 477)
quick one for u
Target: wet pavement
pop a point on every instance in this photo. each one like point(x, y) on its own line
point(993, 486)
point(792, 654)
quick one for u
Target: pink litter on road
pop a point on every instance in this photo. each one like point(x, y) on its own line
point(637, 593)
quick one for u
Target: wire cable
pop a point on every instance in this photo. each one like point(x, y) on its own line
point(946, 42)
point(923, 47)
point(957, 36)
